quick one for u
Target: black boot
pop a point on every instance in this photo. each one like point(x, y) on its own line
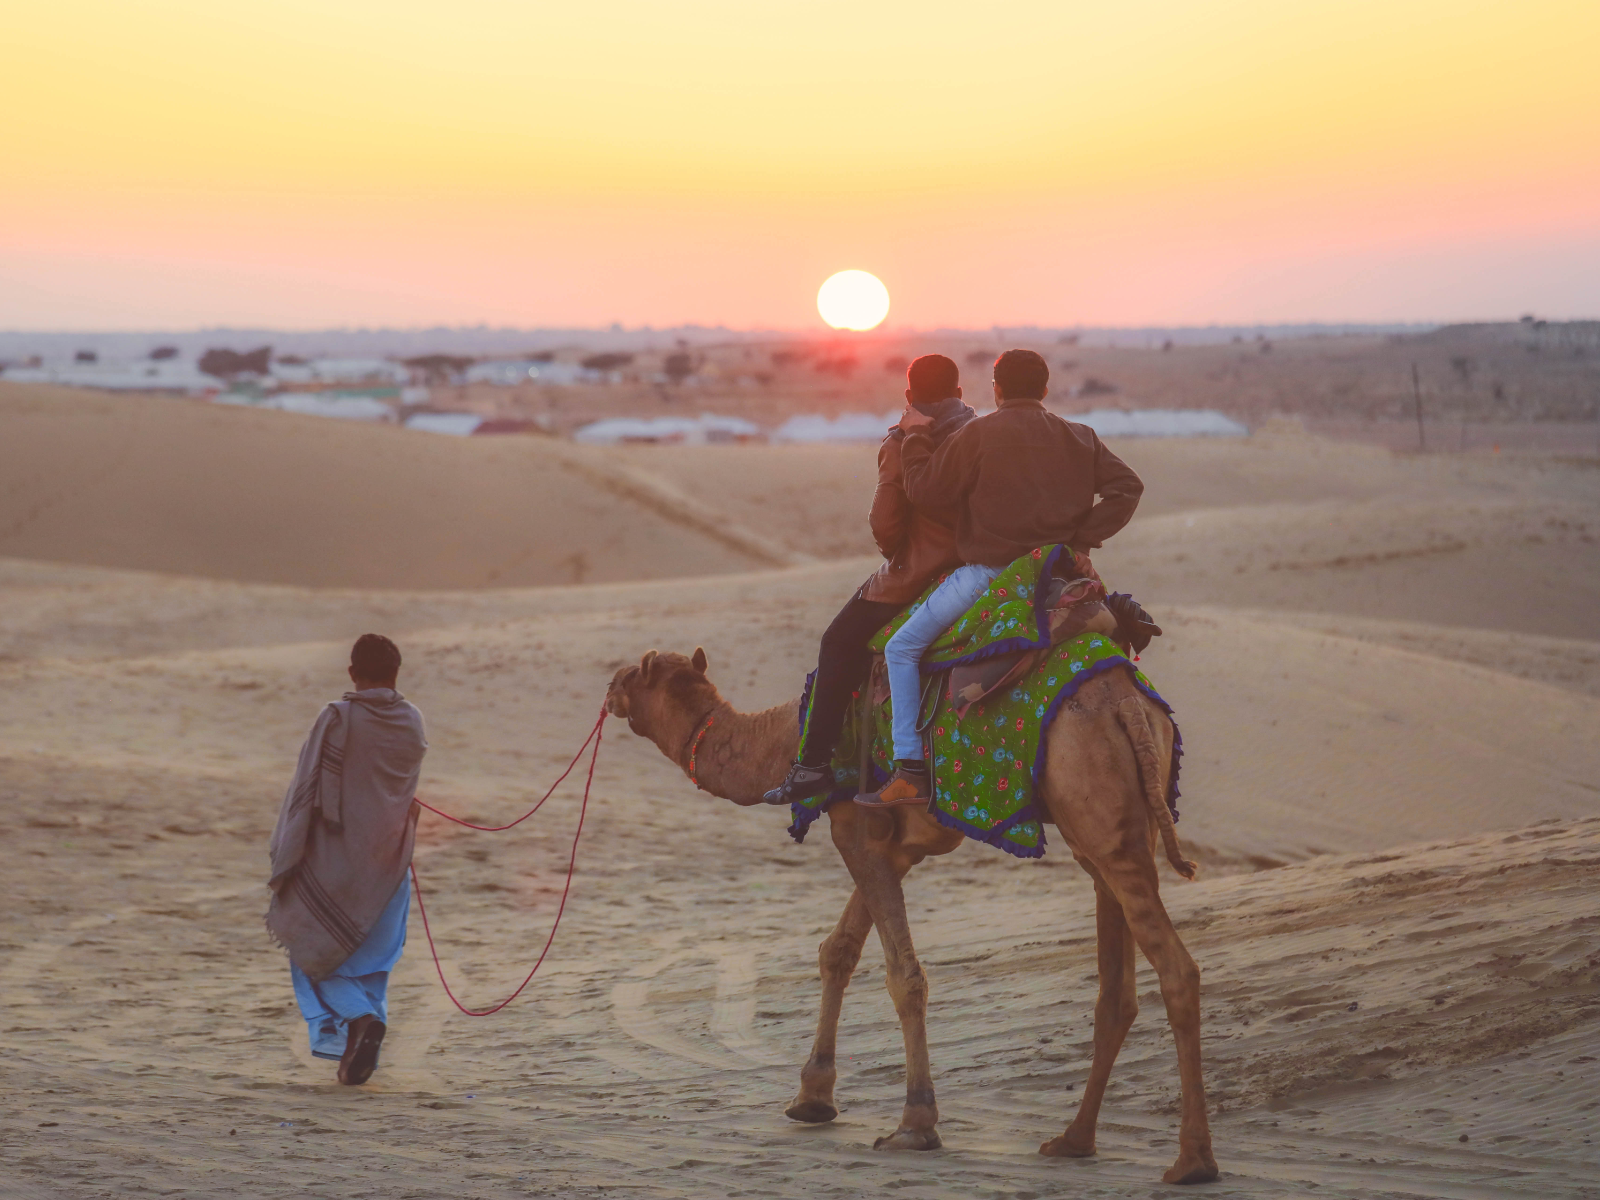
point(801, 783)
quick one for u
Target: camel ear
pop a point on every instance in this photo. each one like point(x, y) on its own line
point(645, 664)
point(698, 662)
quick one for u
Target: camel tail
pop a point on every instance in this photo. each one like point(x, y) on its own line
point(1136, 724)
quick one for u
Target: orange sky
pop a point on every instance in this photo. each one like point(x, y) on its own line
point(172, 163)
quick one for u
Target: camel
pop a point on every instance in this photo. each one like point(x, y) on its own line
point(1108, 755)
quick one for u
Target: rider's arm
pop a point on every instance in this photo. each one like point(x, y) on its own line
point(1119, 489)
point(891, 511)
point(943, 476)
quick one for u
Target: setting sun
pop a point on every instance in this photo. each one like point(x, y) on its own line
point(853, 300)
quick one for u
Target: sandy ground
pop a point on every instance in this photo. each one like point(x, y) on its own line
point(1388, 675)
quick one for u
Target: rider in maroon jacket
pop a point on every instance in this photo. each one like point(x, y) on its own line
point(918, 543)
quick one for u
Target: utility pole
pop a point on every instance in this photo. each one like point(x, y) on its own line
point(1416, 390)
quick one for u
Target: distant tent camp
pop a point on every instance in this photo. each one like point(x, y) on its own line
point(705, 429)
point(456, 424)
point(847, 427)
point(328, 404)
point(1160, 422)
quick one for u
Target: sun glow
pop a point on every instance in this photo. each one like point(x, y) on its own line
point(853, 300)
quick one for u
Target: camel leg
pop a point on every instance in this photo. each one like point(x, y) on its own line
point(837, 958)
point(1114, 1012)
point(877, 879)
point(1134, 885)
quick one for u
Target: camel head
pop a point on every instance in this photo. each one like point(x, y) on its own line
point(663, 698)
point(667, 698)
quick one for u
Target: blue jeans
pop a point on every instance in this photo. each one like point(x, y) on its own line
point(927, 623)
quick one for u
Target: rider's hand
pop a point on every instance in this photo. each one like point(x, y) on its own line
point(914, 418)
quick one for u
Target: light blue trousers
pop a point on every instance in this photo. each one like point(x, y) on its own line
point(927, 623)
point(360, 987)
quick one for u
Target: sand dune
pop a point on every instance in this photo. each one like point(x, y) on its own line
point(1300, 742)
point(228, 493)
point(1385, 669)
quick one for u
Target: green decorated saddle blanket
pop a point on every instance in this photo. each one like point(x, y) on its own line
point(992, 685)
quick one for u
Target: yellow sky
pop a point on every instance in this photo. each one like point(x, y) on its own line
point(194, 161)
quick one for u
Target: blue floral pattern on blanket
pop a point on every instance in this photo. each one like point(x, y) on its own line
point(985, 764)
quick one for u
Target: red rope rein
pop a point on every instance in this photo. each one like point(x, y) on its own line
point(572, 863)
point(593, 734)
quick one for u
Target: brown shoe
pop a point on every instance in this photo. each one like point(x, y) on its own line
point(903, 788)
point(361, 1049)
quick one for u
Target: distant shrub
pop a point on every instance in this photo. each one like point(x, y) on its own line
point(225, 364)
point(436, 368)
point(678, 367)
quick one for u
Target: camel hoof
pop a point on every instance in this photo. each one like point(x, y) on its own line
point(1067, 1146)
point(812, 1112)
point(909, 1139)
point(1192, 1168)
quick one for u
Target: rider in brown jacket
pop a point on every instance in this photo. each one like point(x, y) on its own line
point(1020, 478)
point(918, 545)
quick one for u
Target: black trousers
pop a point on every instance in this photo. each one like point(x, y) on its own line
point(842, 666)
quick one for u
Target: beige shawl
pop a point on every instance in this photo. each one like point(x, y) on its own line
point(347, 827)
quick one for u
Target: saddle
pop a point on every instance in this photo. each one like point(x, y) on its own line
point(1076, 601)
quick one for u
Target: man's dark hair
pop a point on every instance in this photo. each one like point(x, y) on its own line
point(1022, 375)
point(931, 378)
point(375, 658)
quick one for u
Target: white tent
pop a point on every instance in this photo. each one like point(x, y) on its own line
point(1160, 422)
point(510, 372)
point(694, 431)
point(457, 424)
point(143, 376)
point(318, 404)
point(848, 427)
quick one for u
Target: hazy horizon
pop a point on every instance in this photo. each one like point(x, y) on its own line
point(504, 341)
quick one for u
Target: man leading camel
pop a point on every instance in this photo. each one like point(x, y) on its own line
point(918, 542)
point(1019, 478)
point(340, 854)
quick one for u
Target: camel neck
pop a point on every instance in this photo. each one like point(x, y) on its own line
point(742, 755)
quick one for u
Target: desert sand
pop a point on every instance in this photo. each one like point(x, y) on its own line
point(1387, 673)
